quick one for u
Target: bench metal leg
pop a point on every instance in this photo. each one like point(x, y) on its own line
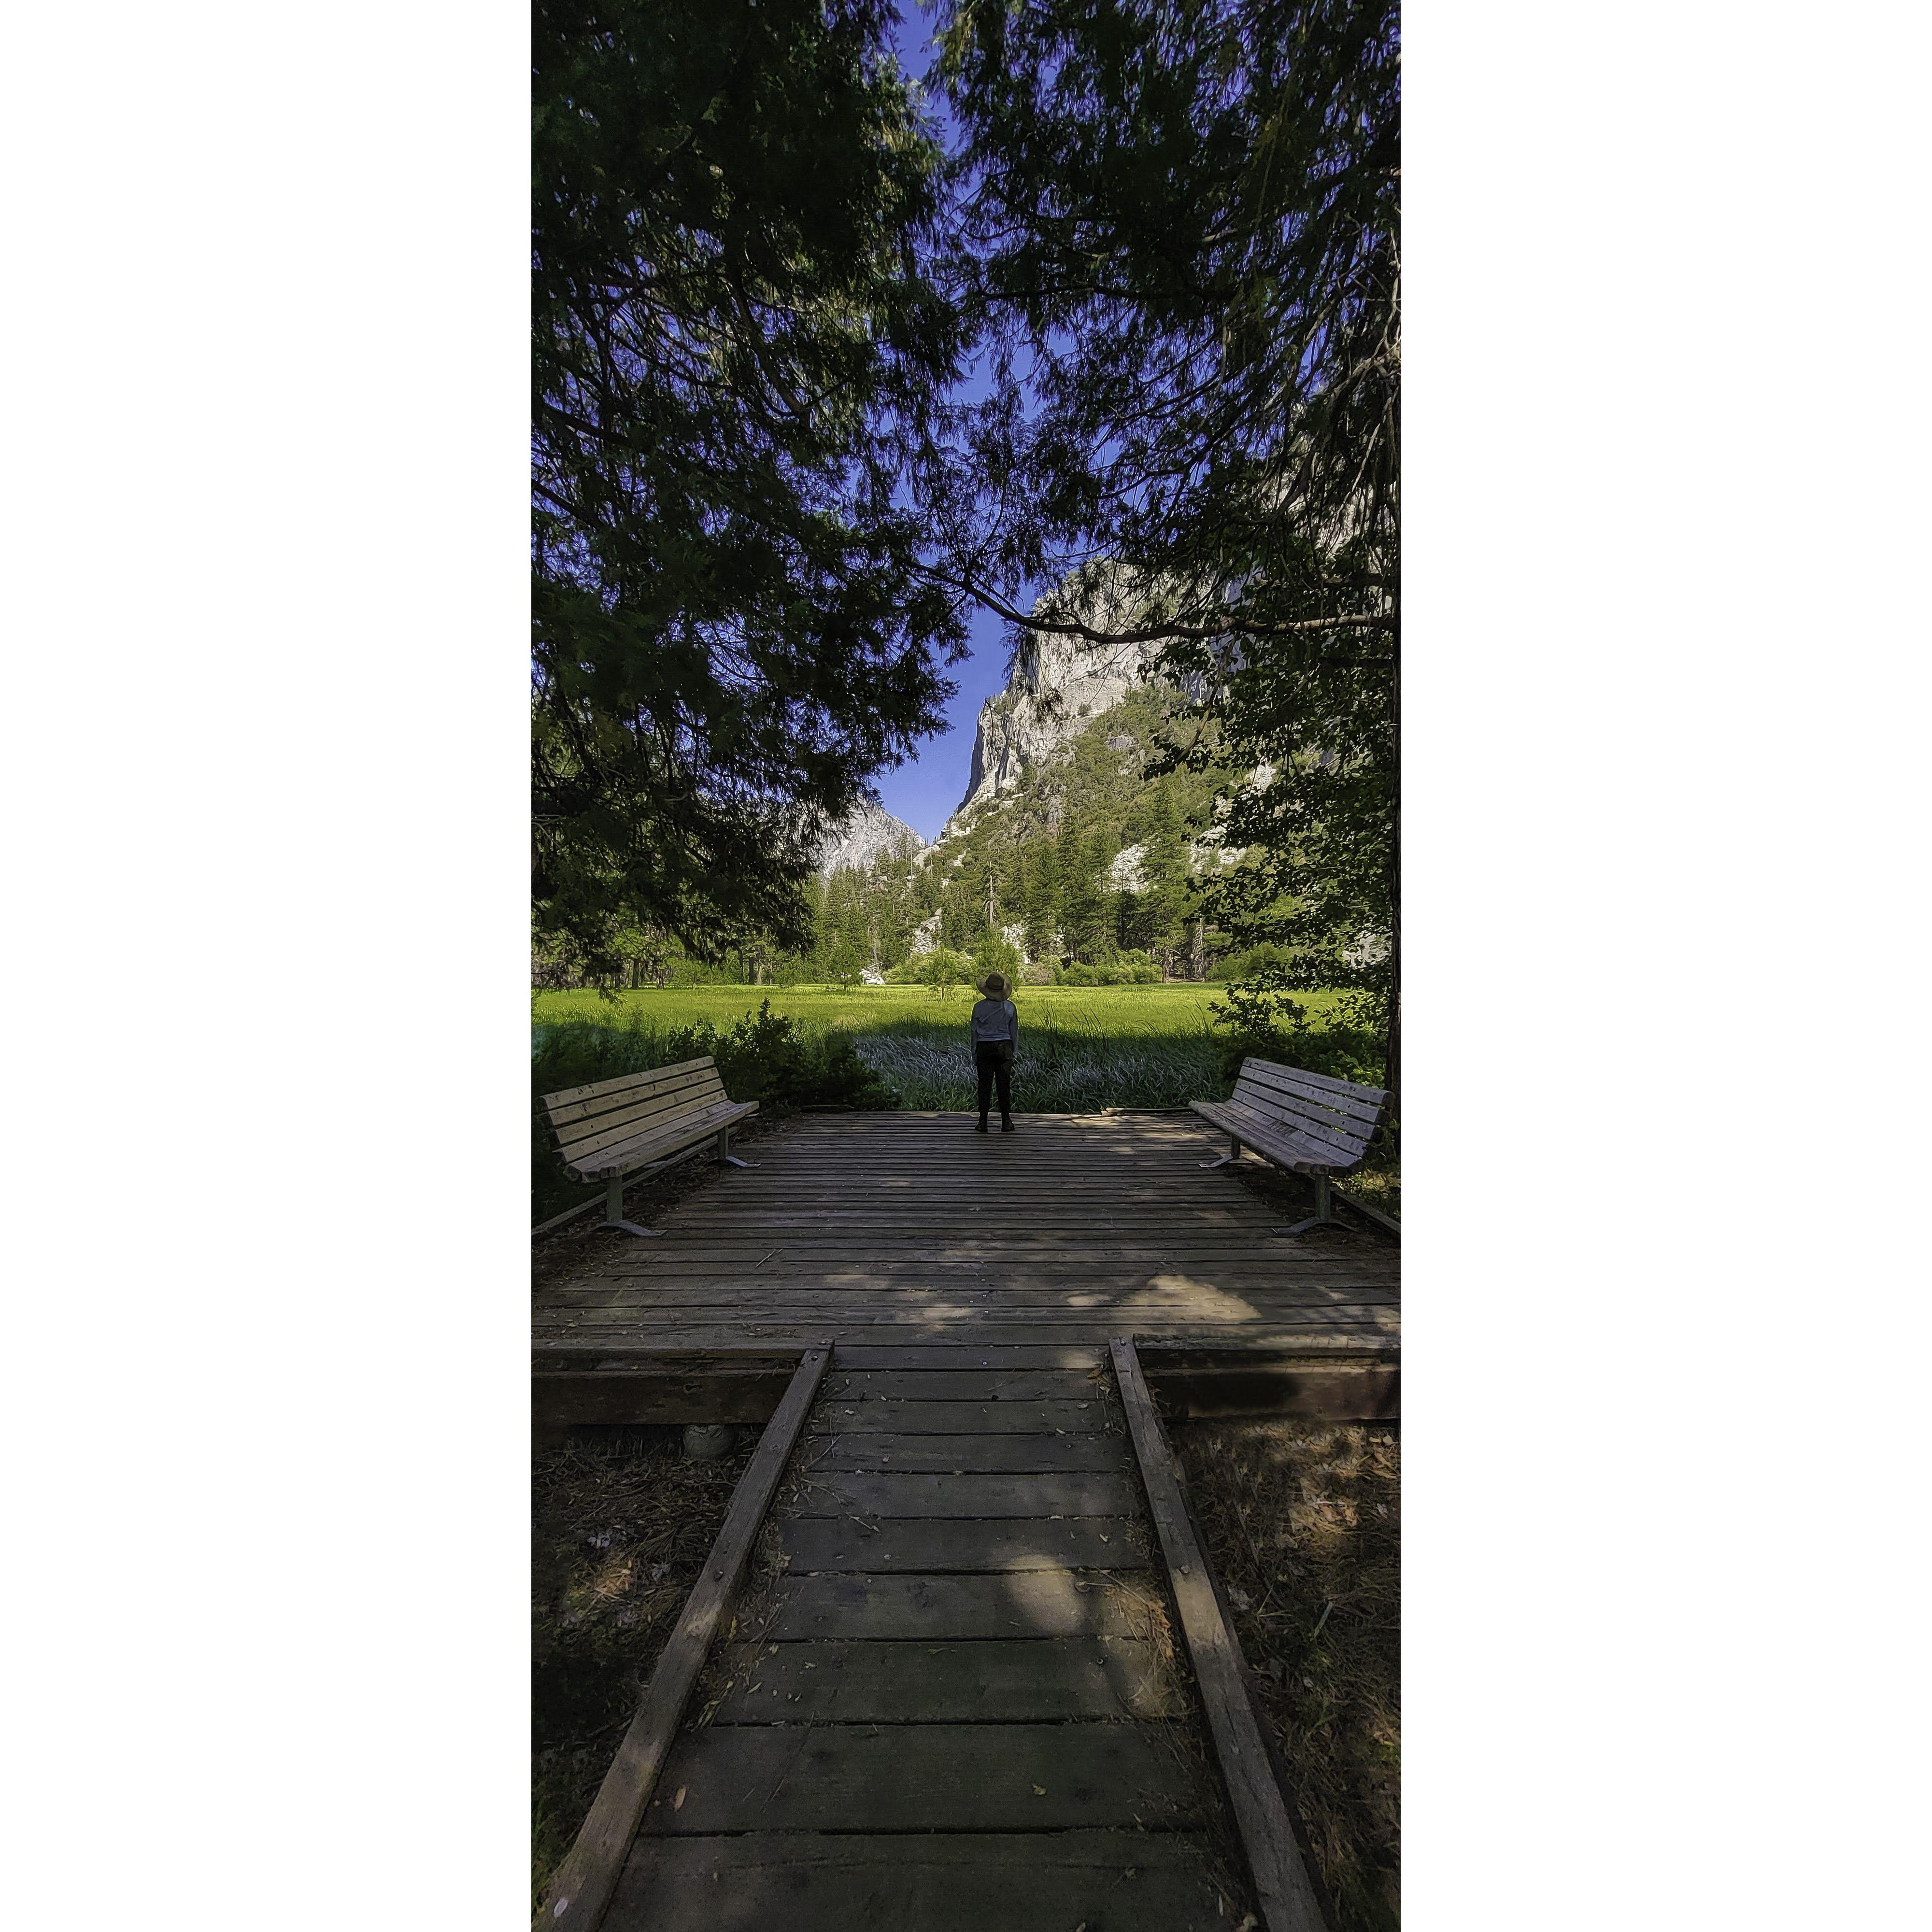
point(1323, 1216)
point(614, 1212)
point(1234, 1154)
point(729, 1159)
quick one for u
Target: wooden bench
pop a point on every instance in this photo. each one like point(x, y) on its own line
point(1305, 1122)
point(615, 1130)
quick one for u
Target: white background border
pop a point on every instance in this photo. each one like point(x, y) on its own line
point(265, 786)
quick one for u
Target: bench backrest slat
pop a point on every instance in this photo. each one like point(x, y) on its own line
point(577, 1115)
point(1333, 1113)
point(1311, 1127)
point(1343, 1090)
point(669, 1116)
point(623, 1081)
point(690, 1091)
point(621, 1110)
point(1360, 1103)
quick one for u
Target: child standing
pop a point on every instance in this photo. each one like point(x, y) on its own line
point(995, 1032)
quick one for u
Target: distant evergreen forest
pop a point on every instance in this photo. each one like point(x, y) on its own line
point(1080, 873)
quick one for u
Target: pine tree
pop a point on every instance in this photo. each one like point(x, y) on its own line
point(740, 351)
point(1182, 219)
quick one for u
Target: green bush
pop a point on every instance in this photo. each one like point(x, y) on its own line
point(940, 968)
point(1124, 969)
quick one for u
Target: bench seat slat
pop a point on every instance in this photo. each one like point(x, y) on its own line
point(661, 1140)
point(1303, 1118)
point(1266, 1137)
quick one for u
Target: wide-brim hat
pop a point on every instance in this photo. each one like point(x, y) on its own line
point(990, 982)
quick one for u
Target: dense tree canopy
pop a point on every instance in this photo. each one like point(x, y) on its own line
point(1180, 238)
point(1170, 230)
point(739, 350)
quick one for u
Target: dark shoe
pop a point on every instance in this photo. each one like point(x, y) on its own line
point(1006, 1123)
point(981, 1127)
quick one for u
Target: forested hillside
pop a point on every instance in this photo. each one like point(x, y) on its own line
point(1083, 864)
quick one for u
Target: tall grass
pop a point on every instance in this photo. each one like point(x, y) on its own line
point(1116, 1011)
point(1057, 1070)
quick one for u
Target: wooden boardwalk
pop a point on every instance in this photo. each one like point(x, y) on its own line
point(952, 1699)
point(910, 1228)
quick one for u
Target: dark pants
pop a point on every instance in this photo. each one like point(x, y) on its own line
point(996, 1063)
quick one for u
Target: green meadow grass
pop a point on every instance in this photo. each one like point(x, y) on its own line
point(1082, 1048)
point(1110, 1012)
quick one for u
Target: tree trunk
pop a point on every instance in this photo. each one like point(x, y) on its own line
point(1197, 963)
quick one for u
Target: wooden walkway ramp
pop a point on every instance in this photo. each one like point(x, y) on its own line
point(910, 1228)
point(952, 1694)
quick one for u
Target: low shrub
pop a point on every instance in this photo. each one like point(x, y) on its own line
point(1130, 969)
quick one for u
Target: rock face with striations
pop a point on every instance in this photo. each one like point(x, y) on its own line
point(870, 833)
point(1059, 685)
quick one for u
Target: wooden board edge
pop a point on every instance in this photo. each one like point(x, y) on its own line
point(1283, 1888)
point(580, 1892)
point(1387, 1222)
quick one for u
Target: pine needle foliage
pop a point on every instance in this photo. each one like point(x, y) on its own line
point(740, 355)
point(1179, 238)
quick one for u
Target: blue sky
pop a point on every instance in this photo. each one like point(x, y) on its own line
point(925, 789)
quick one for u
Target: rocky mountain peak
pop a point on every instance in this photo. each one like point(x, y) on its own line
point(1058, 685)
point(868, 833)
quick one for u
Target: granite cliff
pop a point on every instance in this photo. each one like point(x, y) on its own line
point(869, 833)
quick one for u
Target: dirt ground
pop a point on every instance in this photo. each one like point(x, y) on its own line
point(621, 1526)
point(1302, 1522)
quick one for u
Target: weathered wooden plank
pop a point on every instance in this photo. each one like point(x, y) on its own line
point(1281, 1318)
point(965, 1455)
point(1389, 1224)
point(1085, 1542)
point(1039, 1680)
point(1357, 1392)
point(1344, 1090)
point(967, 1355)
point(669, 1125)
point(1304, 1119)
point(644, 1396)
point(942, 1309)
point(937, 1609)
point(619, 1083)
point(961, 1418)
point(1307, 1269)
point(961, 1385)
point(940, 1495)
point(582, 1885)
point(1129, 1881)
point(1301, 1326)
point(925, 1778)
point(1264, 1136)
point(595, 1164)
point(637, 1104)
point(1288, 1901)
point(1265, 1086)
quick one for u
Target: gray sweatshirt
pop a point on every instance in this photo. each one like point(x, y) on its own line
point(995, 1019)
